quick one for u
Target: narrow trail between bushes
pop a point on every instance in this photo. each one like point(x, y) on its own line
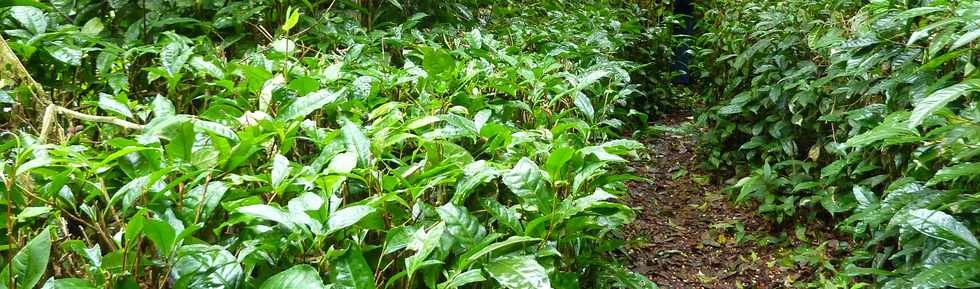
point(687, 234)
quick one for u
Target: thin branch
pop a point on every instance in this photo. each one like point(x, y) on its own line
point(52, 112)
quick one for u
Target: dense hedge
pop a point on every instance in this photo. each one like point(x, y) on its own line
point(866, 112)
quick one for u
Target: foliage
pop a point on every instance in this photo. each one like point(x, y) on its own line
point(863, 110)
point(322, 145)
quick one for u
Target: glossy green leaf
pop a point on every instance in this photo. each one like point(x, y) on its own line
point(309, 103)
point(280, 170)
point(519, 272)
point(108, 103)
point(351, 271)
point(162, 234)
point(206, 267)
point(31, 18)
point(30, 262)
point(347, 217)
point(940, 225)
point(530, 183)
point(301, 276)
point(67, 283)
point(939, 99)
point(357, 142)
point(163, 107)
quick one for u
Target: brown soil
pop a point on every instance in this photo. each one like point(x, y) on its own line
point(685, 232)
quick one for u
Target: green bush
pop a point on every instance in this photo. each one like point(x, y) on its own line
point(865, 111)
point(264, 145)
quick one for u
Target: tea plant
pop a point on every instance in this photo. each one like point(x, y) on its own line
point(329, 144)
point(863, 111)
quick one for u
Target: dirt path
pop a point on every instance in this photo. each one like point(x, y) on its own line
point(687, 233)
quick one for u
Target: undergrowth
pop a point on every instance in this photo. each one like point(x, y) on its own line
point(861, 113)
point(325, 144)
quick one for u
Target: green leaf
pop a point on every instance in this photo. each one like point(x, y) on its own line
point(29, 264)
point(300, 276)
point(206, 267)
point(332, 72)
point(965, 39)
point(893, 130)
point(202, 200)
point(625, 278)
point(267, 212)
point(953, 172)
point(216, 129)
point(474, 174)
point(460, 224)
point(309, 103)
point(268, 87)
point(584, 104)
point(280, 170)
point(93, 26)
point(357, 142)
point(284, 46)
point(30, 18)
point(163, 107)
point(519, 272)
point(162, 234)
point(67, 283)
point(530, 183)
point(342, 163)
point(458, 280)
point(292, 17)
point(939, 99)
point(504, 215)
point(496, 246)
point(108, 103)
point(174, 55)
point(205, 66)
point(436, 61)
point(940, 225)
point(347, 217)
point(351, 271)
point(423, 243)
point(956, 274)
